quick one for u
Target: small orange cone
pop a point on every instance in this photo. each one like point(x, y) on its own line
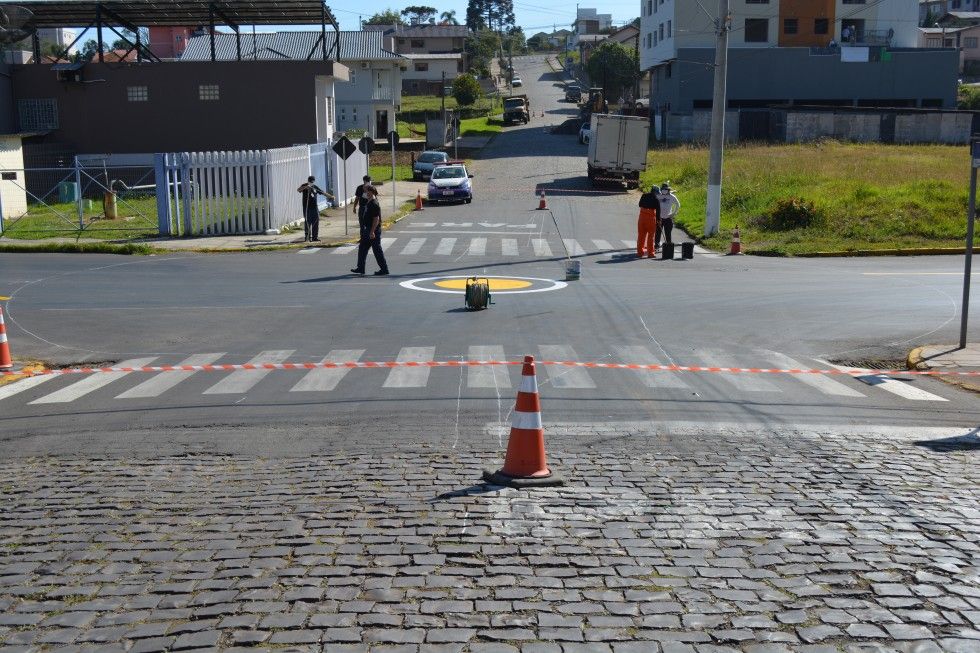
point(542, 203)
point(526, 464)
point(418, 201)
point(736, 247)
point(5, 361)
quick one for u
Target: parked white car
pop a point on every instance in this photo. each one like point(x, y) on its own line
point(584, 133)
point(517, 81)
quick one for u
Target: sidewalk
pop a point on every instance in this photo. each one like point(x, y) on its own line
point(949, 358)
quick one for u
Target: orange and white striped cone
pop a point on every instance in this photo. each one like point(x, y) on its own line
point(5, 361)
point(418, 201)
point(736, 247)
point(542, 203)
point(526, 464)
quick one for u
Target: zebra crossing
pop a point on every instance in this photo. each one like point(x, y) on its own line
point(484, 246)
point(130, 386)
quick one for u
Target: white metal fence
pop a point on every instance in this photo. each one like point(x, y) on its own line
point(246, 192)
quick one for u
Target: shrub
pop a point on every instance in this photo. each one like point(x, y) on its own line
point(466, 90)
point(788, 214)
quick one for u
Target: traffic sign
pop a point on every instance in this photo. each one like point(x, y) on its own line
point(366, 145)
point(393, 137)
point(344, 148)
point(975, 153)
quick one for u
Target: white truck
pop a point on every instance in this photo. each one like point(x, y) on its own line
point(617, 149)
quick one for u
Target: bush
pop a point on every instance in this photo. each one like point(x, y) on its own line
point(466, 90)
point(788, 214)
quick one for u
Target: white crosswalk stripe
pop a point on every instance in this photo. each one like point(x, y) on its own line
point(744, 382)
point(602, 244)
point(17, 387)
point(629, 244)
point(324, 380)
point(445, 247)
point(541, 247)
point(413, 246)
point(508, 246)
point(902, 389)
point(242, 381)
point(158, 384)
point(478, 247)
point(574, 249)
point(387, 243)
point(411, 377)
point(650, 378)
point(565, 377)
point(487, 376)
point(91, 383)
point(819, 382)
point(344, 249)
point(311, 250)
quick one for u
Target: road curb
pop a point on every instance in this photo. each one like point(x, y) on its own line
point(915, 251)
point(915, 361)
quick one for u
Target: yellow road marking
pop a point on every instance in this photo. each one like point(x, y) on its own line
point(3, 299)
point(495, 284)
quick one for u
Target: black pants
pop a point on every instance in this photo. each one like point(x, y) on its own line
point(373, 244)
point(312, 226)
point(666, 227)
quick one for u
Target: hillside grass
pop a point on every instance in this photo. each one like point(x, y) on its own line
point(864, 196)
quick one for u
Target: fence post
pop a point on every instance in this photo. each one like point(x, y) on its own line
point(160, 162)
point(78, 196)
point(1, 204)
point(188, 190)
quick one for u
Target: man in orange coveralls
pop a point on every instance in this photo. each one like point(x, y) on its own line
point(647, 224)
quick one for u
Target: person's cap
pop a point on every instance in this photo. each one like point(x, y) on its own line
point(366, 178)
point(311, 178)
point(665, 186)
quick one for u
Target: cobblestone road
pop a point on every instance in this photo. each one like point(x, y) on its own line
point(747, 542)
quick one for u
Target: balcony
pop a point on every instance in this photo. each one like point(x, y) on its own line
point(870, 37)
point(382, 94)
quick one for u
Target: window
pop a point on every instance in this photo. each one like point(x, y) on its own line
point(661, 32)
point(649, 7)
point(208, 92)
point(654, 39)
point(137, 93)
point(790, 26)
point(670, 25)
point(821, 25)
point(330, 116)
point(421, 67)
point(418, 43)
point(756, 30)
point(401, 41)
point(934, 43)
point(970, 42)
point(667, 71)
point(655, 6)
point(38, 115)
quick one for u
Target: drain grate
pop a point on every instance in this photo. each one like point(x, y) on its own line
point(872, 364)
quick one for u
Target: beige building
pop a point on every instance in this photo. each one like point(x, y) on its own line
point(12, 193)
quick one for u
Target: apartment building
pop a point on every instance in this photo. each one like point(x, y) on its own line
point(785, 52)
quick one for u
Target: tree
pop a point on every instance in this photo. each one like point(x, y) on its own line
point(128, 39)
point(419, 13)
point(90, 49)
point(490, 14)
point(481, 48)
point(387, 17)
point(539, 42)
point(614, 67)
point(466, 90)
point(514, 42)
point(449, 17)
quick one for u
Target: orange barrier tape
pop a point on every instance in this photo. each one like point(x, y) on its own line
point(461, 363)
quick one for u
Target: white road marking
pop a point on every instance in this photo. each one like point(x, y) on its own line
point(900, 388)
point(487, 376)
point(157, 385)
point(493, 225)
point(541, 247)
point(411, 377)
point(324, 380)
point(707, 253)
point(602, 244)
point(91, 383)
point(445, 247)
point(508, 246)
point(413, 246)
point(311, 250)
point(344, 249)
point(650, 378)
point(242, 381)
point(457, 224)
point(421, 224)
point(574, 249)
point(388, 242)
point(630, 244)
point(478, 247)
point(743, 382)
point(24, 384)
point(820, 382)
point(565, 377)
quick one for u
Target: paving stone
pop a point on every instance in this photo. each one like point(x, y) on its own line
point(818, 633)
point(152, 645)
point(249, 637)
point(201, 639)
point(906, 632)
point(296, 637)
point(443, 635)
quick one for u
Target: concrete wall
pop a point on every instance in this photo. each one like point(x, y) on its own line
point(797, 75)
point(263, 104)
point(696, 127)
point(919, 127)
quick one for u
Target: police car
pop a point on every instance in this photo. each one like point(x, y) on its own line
point(450, 182)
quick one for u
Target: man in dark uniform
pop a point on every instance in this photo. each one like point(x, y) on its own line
point(359, 200)
point(370, 221)
point(311, 213)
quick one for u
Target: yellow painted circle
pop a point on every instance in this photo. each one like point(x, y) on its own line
point(495, 284)
point(4, 298)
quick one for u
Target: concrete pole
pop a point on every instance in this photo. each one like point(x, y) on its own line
point(968, 265)
point(712, 219)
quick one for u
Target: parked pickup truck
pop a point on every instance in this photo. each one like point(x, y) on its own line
point(516, 109)
point(617, 149)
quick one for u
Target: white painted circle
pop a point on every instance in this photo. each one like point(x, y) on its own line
point(412, 284)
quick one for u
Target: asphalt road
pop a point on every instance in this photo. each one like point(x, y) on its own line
point(306, 307)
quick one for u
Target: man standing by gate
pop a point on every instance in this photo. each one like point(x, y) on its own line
point(311, 214)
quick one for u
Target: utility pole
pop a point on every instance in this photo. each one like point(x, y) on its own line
point(712, 218)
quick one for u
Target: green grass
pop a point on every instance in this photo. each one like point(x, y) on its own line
point(414, 109)
point(79, 248)
point(137, 219)
point(383, 172)
point(485, 126)
point(865, 196)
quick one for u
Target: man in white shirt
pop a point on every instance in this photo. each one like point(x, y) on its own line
point(669, 206)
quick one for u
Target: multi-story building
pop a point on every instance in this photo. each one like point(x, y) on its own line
point(786, 52)
point(588, 22)
point(938, 8)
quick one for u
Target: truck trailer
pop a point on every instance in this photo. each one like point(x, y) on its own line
point(617, 149)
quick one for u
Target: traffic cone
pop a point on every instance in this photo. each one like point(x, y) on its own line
point(736, 247)
point(526, 464)
point(418, 201)
point(5, 361)
point(542, 203)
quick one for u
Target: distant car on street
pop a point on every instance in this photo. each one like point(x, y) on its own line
point(425, 162)
point(584, 133)
point(517, 81)
point(450, 181)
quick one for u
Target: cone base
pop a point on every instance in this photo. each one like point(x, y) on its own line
point(499, 478)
